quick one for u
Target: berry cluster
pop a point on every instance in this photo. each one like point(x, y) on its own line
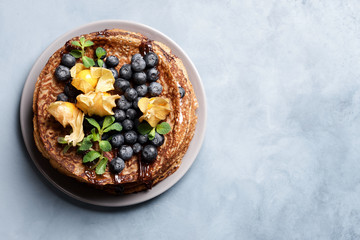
point(136, 80)
point(62, 74)
point(133, 81)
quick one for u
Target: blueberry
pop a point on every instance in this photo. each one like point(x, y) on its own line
point(71, 91)
point(135, 56)
point(62, 73)
point(139, 78)
point(62, 97)
point(127, 124)
point(137, 147)
point(119, 115)
point(131, 113)
point(151, 59)
point(141, 90)
point(117, 165)
point(155, 89)
point(125, 152)
point(152, 74)
point(125, 72)
point(111, 61)
point(68, 60)
point(138, 64)
point(103, 56)
point(158, 140)
point(114, 72)
point(121, 84)
point(117, 140)
point(122, 103)
point(149, 154)
point(142, 139)
point(135, 103)
point(130, 137)
point(131, 94)
point(182, 92)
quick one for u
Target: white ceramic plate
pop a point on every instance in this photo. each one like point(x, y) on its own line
point(71, 187)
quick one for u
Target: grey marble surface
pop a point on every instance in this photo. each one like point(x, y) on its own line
point(281, 156)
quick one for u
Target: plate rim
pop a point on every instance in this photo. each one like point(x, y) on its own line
point(129, 26)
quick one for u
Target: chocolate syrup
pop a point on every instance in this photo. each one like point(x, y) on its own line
point(91, 175)
point(145, 47)
point(117, 179)
point(144, 174)
point(90, 171)
point(103, 33)
point(68, 46)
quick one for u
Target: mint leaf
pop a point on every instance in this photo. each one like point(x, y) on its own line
point(88, 62)
point(75, 53)
point(88, 43)
point(94, 123)
point(86, 144)
point(61, 140)
point(108, 121)
point(115, 126)
point(82, 41)
point(100, 62)
point(75, 43)
point(99, 53)
point(144, 128)
point(66, 148)
point(91, 156)
point(94, 135)
point(163, 128)
point(105, 145)
point(151, 135)
point(100, 168)
point(89, 137)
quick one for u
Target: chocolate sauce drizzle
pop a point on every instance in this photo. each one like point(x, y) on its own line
point(145, 47)
point(103, 33)
point(144, 174)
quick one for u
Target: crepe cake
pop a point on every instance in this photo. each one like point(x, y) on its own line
point(137, 175)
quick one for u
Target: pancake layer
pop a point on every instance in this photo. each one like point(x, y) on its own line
point(136, 176)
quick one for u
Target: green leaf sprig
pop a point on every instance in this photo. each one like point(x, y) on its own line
point(95, 135)
point(100, 53)
point(62, 140)
point(83, 43)
point(145, 128)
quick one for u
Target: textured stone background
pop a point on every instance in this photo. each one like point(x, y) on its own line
point(281, 157)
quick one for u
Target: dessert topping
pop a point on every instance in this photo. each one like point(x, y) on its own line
point(62, 73)
point(100, 54)
point(94, 82)
point(96, 135)
point(93, 79)
point(154, 109)
point(67, 114)
point(83, 43)
point(90, 85)
point(97, 103)
point(182, 92)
